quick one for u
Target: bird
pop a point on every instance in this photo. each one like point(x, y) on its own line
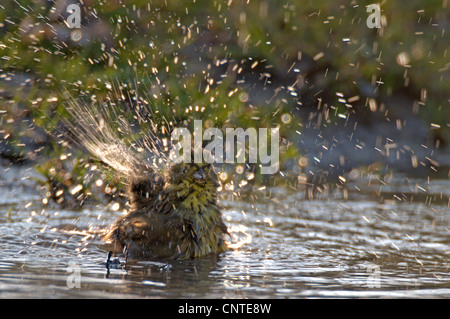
point(174, 211)
point(174, 215)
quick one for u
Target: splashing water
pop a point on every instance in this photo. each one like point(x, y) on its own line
point(281, 246)
point(106, 132)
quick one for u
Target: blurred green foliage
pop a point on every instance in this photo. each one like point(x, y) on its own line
point(168, 52)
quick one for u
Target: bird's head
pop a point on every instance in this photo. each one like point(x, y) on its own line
point(193, 174)
point(194, 187)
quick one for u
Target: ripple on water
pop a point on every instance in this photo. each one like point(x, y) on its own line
point(283, 246)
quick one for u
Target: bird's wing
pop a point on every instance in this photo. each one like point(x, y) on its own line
point(145, 192)
point(149, 231)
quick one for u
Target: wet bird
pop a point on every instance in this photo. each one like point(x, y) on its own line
point(174, 212)
point(175, 215)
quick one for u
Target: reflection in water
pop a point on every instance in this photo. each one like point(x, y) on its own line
point(239, 236)
point(389, 241)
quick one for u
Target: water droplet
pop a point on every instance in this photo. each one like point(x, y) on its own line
point(76, 35)
point(286, 118)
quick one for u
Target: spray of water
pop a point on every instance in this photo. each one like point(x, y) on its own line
point(123, 137)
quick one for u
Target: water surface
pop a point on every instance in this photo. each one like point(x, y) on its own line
point(375, 239)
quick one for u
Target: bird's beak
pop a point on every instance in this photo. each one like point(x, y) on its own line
point(200, 174)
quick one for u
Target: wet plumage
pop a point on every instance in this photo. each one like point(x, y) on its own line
point(171, 216)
